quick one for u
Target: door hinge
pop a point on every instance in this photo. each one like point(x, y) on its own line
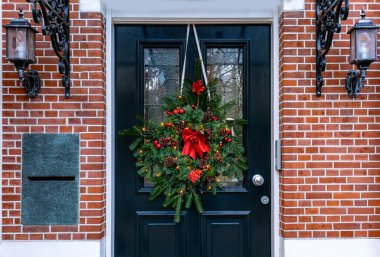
point(278, 158)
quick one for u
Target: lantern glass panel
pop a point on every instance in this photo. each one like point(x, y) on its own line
point(366, 44)
point(17, 43)
point(352, 47)
point(31, 46)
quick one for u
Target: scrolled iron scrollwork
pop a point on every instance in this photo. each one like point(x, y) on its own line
point(354, 82)
point(55, 15)
point(32, 84)
point(329, 14)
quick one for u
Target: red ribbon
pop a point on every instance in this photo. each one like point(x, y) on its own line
point(195, 143)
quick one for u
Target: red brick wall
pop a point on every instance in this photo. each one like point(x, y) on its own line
point(330, 183)
point(50, 112)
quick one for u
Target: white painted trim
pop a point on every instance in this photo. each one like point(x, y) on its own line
point(275, 95)
point(1, 126)
point(185, 21)
point(102, 247)
point(276, 242)
point(331, 248)
point(91, 6)
point(200, 9)
point(293, 5)
point(50, 248)
point(110, 136)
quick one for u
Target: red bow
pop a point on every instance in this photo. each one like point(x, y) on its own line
point(195, 143)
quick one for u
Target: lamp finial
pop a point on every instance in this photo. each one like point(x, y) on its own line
point(21, 13)
point(362, 14)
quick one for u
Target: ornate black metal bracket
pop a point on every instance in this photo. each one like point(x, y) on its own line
point(329, 14)
point(354, 82)
point(31, 82)
point(56, 24)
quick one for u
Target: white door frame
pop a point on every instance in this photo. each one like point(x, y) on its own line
point(276, 243)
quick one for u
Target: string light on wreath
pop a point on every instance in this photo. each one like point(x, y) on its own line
point(192, 147)
point(190, 157)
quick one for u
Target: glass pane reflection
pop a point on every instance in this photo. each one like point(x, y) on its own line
point(161, 77)
point(227, 65)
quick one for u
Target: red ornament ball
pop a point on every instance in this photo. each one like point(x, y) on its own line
point(158, 146)
point(155, 142)
point(175, 111)
point(215, 118)
point(193, 106)
point(182, 111)
point(220, 144)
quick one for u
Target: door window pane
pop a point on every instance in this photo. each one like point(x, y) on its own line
point(226, 64)
point(161, 77)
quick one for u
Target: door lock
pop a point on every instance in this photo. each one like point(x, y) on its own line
point(264, 200)
point(258, 180)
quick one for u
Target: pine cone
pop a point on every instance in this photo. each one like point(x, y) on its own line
point(218, 157)
point(202, 163)
point(207, 117)
point(208, 134)
point(169, 161)
point(223, 132)
point(179, 127)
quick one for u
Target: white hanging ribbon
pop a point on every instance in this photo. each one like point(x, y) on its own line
point(184, 59)
point(200, 58)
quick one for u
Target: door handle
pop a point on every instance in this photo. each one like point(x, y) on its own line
point(258, 180)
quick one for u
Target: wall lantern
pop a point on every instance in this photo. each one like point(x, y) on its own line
point(21, 50)
point(363, 51)
point(21, 42)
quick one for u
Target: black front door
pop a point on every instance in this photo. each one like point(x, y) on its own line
point(148, 62)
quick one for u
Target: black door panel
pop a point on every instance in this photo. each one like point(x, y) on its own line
point(235, 222)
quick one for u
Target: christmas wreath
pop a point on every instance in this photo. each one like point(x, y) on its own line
point(191, 149)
